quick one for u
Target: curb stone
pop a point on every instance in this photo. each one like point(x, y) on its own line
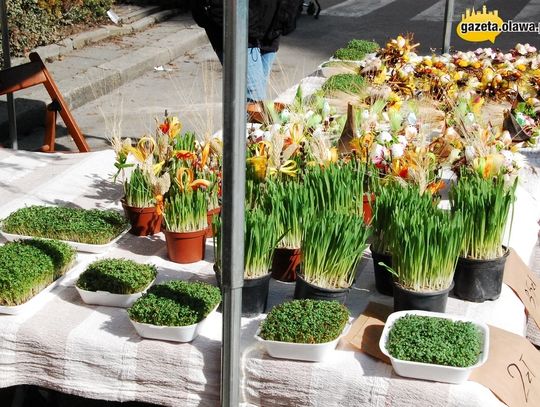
point(78, 41)
point(101, 80)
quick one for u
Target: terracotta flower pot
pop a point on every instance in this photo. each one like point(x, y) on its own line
point(210, 216)
point(285, 263)
point(187, 247)
point(144, 221)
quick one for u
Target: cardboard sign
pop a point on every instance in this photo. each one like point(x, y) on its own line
point(512, 371)
point(525, 284)
point(367, 329)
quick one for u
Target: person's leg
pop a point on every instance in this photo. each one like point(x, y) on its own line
point(256, 83)
point(267, 62)
point(216, 40)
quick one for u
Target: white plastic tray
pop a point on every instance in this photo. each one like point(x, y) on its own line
point(81, 247)
point(310, 352)
point(170, 333)
point(427, 371)
point(109, 299)
point(37, 299)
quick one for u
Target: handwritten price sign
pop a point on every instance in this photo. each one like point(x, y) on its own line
point(512, 370)
point(526, 285)
point(521, 371)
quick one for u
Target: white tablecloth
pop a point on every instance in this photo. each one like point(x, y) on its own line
point(93, 351)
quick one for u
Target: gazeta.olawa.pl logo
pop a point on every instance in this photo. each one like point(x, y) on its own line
point(476, 26)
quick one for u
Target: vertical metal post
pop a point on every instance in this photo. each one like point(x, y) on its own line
point(234, 162)
point(7, 64)
point(448, 19)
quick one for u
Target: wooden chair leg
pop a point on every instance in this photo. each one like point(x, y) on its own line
point(65, 113)
point(50, 130)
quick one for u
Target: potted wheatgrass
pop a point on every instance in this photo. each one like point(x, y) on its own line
point(388, 198)
point(185, 221)
point(334, 233)
point(332, 245)
point(287, 201)
point(485, 204)
point(260, 238)
point(425, 242)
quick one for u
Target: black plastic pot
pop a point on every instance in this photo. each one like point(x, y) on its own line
point(405, 300)
point(305, 290)
point(479, 280)
point(255, 295)
point(384, 282)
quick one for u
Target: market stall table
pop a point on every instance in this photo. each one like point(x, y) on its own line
point(94, 351)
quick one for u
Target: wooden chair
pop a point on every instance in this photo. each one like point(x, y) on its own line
point(34, 73)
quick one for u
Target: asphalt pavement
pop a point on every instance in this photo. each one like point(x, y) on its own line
point(122, 77)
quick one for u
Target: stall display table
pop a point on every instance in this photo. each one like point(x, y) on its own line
point(93, 351)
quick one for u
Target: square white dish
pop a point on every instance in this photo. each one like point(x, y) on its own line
point(81, 247)
point(309, 352)
point(427, 371)
point(109, 299)
point(36, 300)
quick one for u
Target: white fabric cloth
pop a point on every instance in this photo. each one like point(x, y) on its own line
point(94, 351)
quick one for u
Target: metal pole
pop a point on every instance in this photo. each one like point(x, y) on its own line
point(234, 162)
point(448, 19)
point(7, 64)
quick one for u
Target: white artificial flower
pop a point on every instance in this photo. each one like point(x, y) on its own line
point(506, 138)
point(519, 160)
point(365, 115)
point(453, 156)
point(258, 133)
point(470, 153)
point(325, 109)
point(521, 49)
point(382, 126)
point(446, 79)
point(275, 128)
point(414, 58)
point(317, 133)
point(384, 137)
point(451, 132)
point(377, 153)
point(401, 139)
point(411, 132)
point(508, 157)
point(397, 150)
point(411, 118)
